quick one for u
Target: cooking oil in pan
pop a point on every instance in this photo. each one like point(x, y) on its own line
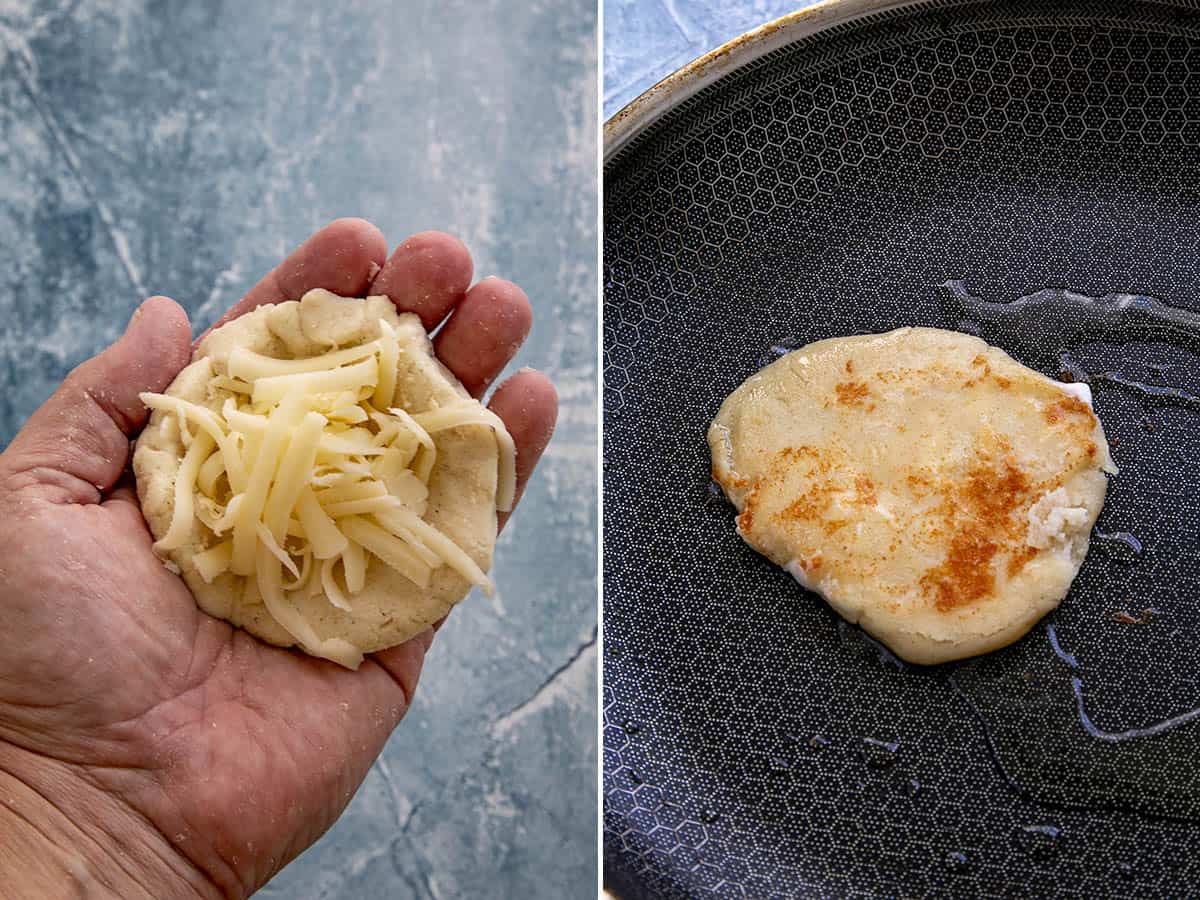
point(956, 861)
point(1049, 747)
point(909, 786)
point(1151, 394)
point(1043, 325)
point(1044, 329)
point(1040, 841)
point(1059, 743)
point(1085, 720)
point(1118, 545)
point(879, 754)
point(779, 348)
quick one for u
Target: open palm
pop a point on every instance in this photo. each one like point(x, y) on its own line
point(178, 755)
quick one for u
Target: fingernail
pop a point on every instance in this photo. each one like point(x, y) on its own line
point(136, 315)
point(139, 313)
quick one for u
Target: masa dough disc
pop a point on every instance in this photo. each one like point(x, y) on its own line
point(462, 485)
point(929, 487)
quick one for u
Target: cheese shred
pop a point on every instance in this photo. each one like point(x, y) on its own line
point(470, 413)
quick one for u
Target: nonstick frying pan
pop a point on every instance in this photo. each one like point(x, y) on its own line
point(1029, 172)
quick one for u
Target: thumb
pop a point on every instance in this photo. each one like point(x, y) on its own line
point(77, 443)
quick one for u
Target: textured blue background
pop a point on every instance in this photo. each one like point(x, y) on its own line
point(646, 40)
point(182, 148)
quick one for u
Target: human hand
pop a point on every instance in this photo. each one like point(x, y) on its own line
point(147, 749)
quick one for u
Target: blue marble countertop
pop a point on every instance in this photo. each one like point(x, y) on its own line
point(182, 148)
point(647, 40)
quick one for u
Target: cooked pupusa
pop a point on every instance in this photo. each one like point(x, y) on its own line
point(928, 486)
point(318, 478)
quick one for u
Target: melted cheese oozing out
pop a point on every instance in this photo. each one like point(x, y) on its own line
point(309, 461)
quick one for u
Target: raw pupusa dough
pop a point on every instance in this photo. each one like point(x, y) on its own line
point(462, 485)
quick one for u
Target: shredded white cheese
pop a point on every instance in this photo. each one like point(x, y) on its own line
point(332, 592)
point(389, 356)
point(180, 530)
point(213, 561)
point(473, 414)
point(305, 465)
point(354, 562)
point(274, 388)
point(249, 366)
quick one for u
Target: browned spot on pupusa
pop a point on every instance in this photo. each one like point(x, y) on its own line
point(979, 515)
point(851, 393)
point(986, 374)
point(810, 506)
point(866, 490)
point(1020, 560)
point(745, 519)
point(1061, 410)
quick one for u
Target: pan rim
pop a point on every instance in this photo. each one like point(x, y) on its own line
point(649, 107)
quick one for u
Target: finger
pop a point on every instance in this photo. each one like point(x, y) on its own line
point(427, 274)
point(342, 257)
point(528, 404)
point(77, 444)
point(122, 502)
point(403, 663)
point(484, 333)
